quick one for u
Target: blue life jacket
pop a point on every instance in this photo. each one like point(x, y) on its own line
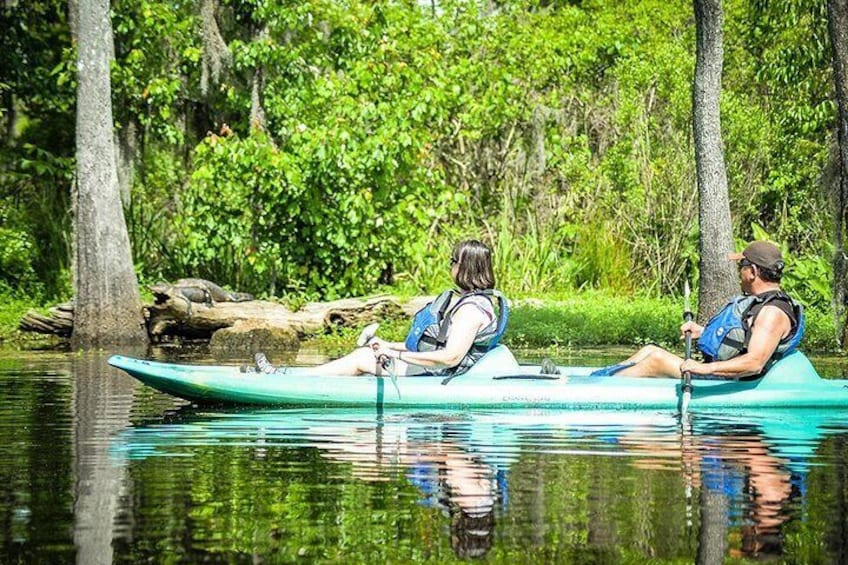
point(429, 330)
point(727, 333)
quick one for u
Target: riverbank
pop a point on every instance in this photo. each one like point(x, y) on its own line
point(584, 319)
point(593, 319)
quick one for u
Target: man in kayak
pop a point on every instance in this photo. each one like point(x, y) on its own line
point(447, 336)
point(743, 339)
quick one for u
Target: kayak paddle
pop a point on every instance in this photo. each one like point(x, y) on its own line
point(686, 385)
point(368, 333)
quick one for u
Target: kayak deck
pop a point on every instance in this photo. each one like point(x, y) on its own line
point(496, 381)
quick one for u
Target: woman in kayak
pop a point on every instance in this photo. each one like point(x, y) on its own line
point(447, 336)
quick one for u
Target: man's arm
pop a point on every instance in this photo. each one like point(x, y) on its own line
point(771, 325)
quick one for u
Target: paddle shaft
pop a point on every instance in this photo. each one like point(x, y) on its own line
point(687, 376)
point(686, 385)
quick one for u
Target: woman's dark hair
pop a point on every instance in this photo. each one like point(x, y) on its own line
point(474, 265)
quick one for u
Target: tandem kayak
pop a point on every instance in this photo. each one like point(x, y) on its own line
point(497, 380)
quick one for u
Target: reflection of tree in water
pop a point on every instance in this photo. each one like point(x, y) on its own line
point(740, 463)
point(744, 488)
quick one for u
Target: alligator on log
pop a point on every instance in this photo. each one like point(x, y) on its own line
point(196, 290)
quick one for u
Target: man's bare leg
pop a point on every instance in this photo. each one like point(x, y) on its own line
point(652, 361)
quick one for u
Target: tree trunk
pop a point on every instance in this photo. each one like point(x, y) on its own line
point(837, 19)
point(257, 112)
point(718, 276)
point(108, 305)
point(73, 19)
point(216, 55)
point(126, 149)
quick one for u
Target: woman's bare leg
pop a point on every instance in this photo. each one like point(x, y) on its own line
point(358, 362)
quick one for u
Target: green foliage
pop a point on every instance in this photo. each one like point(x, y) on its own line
point(781, 52)
point(239, 212)
point(557, 132)
point(247, 217)
point(150, 217)
point(595, 318)
point(807, 278)
point(16, 249)
point(38, 131)
point(157, 57)
point(12, 308)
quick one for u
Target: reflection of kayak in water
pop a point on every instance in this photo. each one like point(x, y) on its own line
point(494, 437)
point(461, 460)
point(494, 381)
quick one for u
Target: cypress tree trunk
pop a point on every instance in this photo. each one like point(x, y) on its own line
point(108, 305)
point(216, 55)
point(718, 280)
point(73, 17)
point(837, 20)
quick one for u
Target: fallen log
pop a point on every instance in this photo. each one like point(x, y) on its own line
point(256, 322)
point(59, 321)
point(176, 316)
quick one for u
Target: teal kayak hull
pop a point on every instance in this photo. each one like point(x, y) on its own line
point(495, 381)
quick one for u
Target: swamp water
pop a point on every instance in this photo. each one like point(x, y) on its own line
point(97, 468)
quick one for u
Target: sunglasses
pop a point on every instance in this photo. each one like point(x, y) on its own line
point(744, 263)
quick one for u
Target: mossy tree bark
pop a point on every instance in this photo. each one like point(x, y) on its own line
point(108, 305)
point(837, 19)
point(216, 55)
point(717, 274)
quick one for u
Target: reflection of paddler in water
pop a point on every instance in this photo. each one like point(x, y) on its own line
point(730, 464)
point(448, 476)
point(458, 483)
point(740, 466)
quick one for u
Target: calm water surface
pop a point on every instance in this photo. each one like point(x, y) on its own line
point(96, 468)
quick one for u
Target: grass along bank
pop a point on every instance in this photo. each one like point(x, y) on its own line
point(591, 319)
point(549, 322)
point(12, 309)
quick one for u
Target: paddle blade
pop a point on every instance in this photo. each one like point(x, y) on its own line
point(367, 334)
point(685, 398)
point(687, 301)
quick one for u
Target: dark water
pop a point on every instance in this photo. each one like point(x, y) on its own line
point(98, 469)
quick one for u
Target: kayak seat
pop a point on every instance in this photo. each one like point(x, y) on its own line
point(793, 368)
point(499, 360)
